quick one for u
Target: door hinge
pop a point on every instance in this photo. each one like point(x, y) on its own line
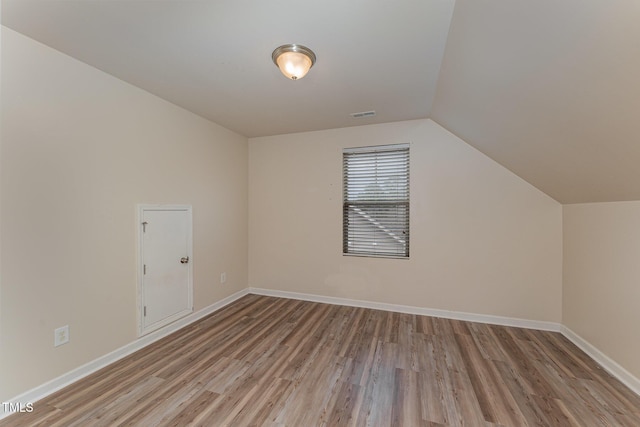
point(144, 268)
point(145, 311)
point(144, 226)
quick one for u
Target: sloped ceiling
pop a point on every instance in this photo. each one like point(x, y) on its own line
point(550, 89)
point(213, 57)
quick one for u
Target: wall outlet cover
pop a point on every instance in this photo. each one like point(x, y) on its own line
point(61, 336)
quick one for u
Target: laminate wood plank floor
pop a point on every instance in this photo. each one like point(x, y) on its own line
point(264, 361)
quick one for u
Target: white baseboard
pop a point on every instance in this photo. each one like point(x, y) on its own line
point(56, 384)
point(457, 315)
point(605, 361)
point(70, 377)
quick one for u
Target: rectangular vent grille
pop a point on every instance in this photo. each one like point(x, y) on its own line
point(363, 114)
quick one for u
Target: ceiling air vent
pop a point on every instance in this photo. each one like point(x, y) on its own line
point(363, 114)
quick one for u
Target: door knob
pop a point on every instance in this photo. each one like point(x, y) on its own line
point(184, 260)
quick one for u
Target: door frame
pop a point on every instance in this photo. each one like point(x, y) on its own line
point(141, 208)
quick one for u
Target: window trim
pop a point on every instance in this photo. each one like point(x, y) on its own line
point(347, 203)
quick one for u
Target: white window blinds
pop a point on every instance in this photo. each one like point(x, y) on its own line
point(375, 214)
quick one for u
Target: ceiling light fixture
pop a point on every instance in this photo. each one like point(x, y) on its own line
point(294, 60)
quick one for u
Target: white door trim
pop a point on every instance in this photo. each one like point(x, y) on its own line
point(141, 208)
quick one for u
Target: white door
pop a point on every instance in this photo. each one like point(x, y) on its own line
point(165, 265)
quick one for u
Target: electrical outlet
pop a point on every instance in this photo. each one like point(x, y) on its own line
point(223, 278)
point(61, 336)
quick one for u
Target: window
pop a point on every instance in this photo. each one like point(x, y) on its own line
point(375, 207)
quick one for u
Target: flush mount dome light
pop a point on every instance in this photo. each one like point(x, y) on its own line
point(294, 60)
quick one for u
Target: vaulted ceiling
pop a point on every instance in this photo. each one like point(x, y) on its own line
point(548, 88)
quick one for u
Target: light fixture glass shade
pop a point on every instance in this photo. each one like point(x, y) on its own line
point(294, 60)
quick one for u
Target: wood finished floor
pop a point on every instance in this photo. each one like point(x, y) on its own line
point(280, 362)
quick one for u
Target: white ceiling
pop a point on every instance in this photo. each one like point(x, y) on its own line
point(551, 90)
point(214, 57)
point(548, 88)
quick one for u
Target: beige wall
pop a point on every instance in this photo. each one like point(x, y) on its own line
point(602, 278)
point(482, 240)
point(79, 150)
